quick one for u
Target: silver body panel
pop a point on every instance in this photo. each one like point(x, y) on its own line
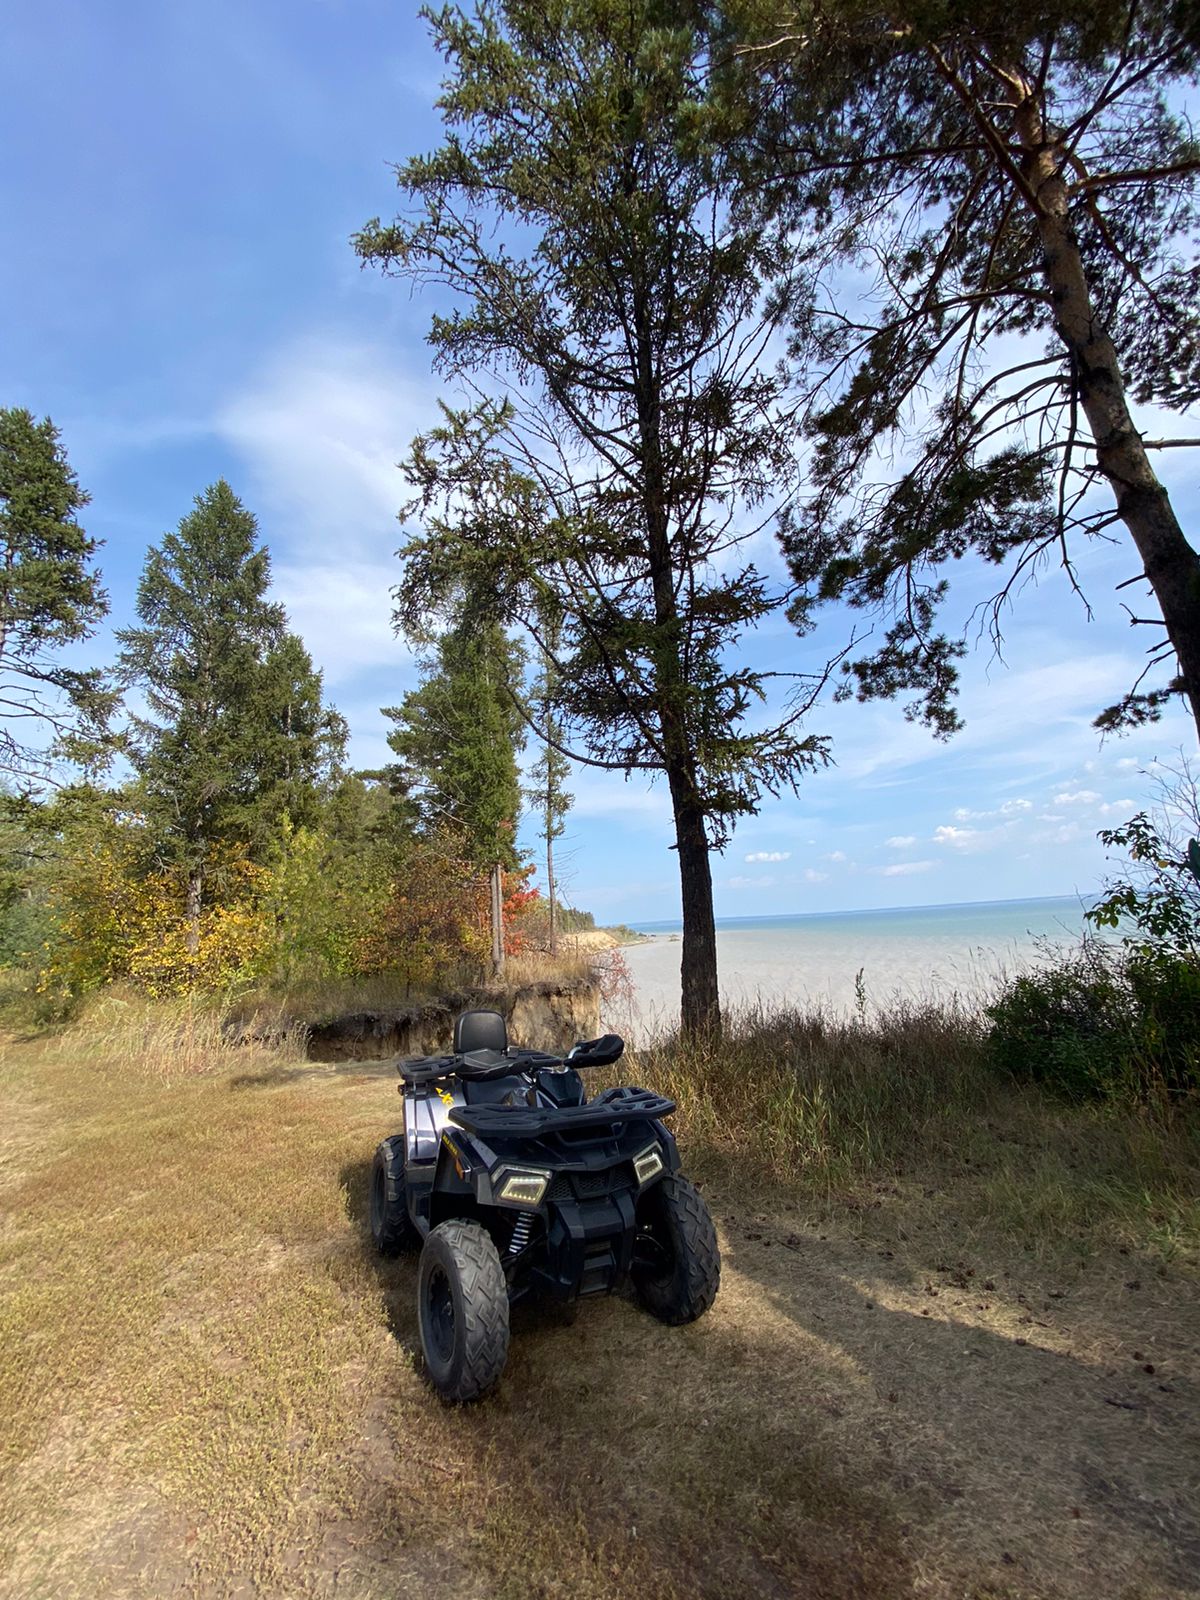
point(426, 1113)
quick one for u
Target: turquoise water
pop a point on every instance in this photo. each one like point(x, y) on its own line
point(917, 952)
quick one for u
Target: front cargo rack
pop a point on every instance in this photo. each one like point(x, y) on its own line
point(611, 1105)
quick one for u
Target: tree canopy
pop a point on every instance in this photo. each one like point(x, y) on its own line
point(625, 434)
point(457, 737)
point(50, 597)
point(995, 206)
point(235, 731)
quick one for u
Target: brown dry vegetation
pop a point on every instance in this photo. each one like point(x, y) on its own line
point(928, 1371)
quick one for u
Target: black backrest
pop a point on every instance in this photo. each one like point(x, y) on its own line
point(480, 1030)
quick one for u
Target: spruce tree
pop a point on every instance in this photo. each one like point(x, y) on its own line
point(546, 792)
point(302, 741)
point(50, 596)
point(233, 734)
point(457, 737)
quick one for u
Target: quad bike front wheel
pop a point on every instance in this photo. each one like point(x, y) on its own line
point(391, 1226)
point(462, 1310)
point(677, 1268)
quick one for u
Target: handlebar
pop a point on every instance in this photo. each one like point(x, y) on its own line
point(601, 1052)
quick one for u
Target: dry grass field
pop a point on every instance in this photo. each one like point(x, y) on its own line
point(956, 1351)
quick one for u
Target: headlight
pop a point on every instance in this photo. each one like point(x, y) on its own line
point(523, 1187)
point(648, 1165)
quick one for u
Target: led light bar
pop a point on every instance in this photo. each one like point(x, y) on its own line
point(523, 1187)
point(648, 1165)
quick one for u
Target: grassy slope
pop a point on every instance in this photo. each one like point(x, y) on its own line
point(925, 1373)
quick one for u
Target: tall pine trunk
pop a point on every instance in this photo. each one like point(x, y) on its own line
point(1171, 565)
point(700, 1010)
point(700, 1006)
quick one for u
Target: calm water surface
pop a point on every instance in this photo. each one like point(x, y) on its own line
point(938, 952)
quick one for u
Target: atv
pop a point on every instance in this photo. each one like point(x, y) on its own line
point(512, 1183)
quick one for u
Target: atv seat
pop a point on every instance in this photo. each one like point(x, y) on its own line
point(480, 1030)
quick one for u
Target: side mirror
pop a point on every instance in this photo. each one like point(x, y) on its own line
point(600, 1052)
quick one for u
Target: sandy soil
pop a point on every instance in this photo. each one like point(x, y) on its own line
point(869, 1410)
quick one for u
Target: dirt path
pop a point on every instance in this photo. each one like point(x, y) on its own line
point(860, 1415)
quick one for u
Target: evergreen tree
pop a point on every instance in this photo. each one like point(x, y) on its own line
point(600, 279)
point(457, 737)
point(235, 732)
point(1016, 188)
point(546, 793)
point(50, 596)
point(302, 742)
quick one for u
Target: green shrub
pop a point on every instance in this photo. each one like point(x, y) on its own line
point(1118, 1024)
point(1166, 993)
point(1067, 1027)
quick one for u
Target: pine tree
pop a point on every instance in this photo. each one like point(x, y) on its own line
point(302, 742)
point(457, 737)
point(50, 596)
point(235, 729)
point(1016, 188)
point(599, 278)
point(546, 792)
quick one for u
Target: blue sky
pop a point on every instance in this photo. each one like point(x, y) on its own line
point(178, 193)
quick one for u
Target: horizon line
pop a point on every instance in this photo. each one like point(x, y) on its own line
point(649, 924)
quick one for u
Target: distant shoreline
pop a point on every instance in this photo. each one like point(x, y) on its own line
point(612, 938)
point(675, 925)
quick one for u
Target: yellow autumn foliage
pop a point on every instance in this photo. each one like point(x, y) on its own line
point(316, 911)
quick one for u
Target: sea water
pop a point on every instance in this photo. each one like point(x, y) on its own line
point(841, 960)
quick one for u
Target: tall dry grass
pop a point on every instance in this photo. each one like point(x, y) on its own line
point(905, 1096)
point(165, 1039)
point(808, 1091)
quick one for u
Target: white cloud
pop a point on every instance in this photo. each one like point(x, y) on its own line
point(609, 794)
point(769, 855)
point(835, 855)
point(1066, 690)
point(1065, 833)
point(902, 841)
point(811, 875)
point(954, 836)
point(904, 869)
point(751, 883)
point(1077, 797)
point(343, 613)
point(1010, 808)
point(972, 841)
point(321, 428)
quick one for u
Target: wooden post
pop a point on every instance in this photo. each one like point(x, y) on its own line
point(497, 888)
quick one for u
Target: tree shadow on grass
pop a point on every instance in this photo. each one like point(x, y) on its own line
point(1037, 1466)
point(268, 1078)
point(623, 1456)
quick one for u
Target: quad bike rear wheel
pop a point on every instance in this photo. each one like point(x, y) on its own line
point(677, 1267)
point(391, 1226)
point(462, 1310)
